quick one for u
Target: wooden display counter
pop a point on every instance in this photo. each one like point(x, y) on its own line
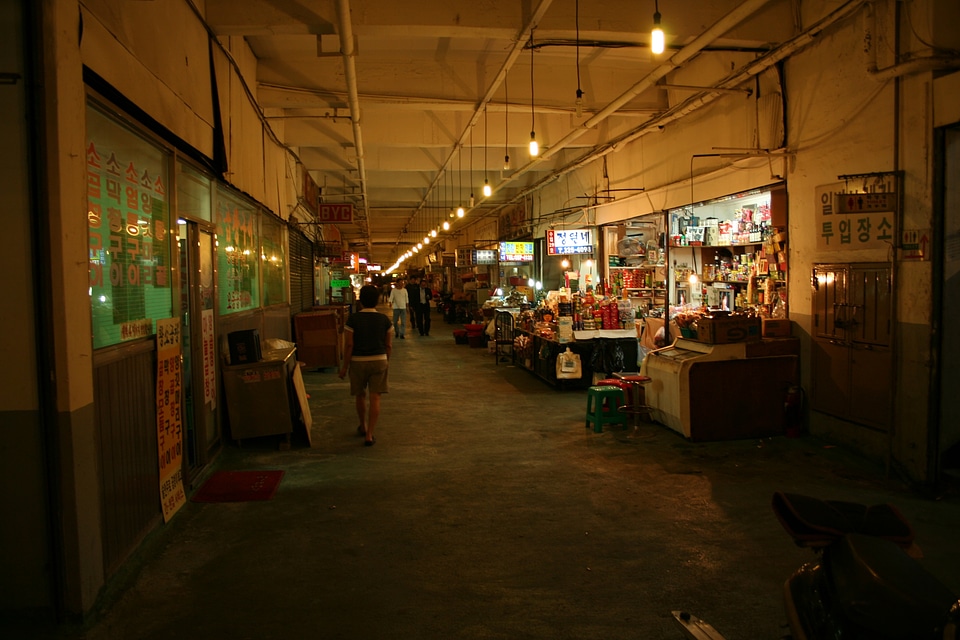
point(722, 391)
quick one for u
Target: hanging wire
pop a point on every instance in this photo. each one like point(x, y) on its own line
point(579, 102)
point(506, 125)
point(532, 115)
point(471, 167)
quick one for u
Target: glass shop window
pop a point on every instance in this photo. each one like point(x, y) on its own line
point(237, 254)
point(128, 222)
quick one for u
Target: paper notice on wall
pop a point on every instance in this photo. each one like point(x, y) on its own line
point(169, 424)
point(209, 359)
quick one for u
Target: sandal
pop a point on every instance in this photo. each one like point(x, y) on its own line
point(361, 430)
point(369, 443)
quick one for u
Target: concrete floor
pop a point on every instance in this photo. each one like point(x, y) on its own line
point(487, 511)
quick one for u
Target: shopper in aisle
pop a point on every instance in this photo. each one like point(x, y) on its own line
point(399, 301)
point(368, 342)
point(413, 293)
point(424, 296)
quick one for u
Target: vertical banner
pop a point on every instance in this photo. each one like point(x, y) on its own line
point(169, 425)
point(209, 359)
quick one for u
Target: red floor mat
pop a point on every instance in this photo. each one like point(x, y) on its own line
point(239, 486)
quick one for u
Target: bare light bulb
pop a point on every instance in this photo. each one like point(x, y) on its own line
point(433, 233)
point(460, 211)
point(657, 43)
point(534, 146)
point(506, 163)
point(487, 189)
point(446, 226)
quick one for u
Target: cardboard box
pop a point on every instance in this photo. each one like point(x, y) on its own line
point(727, 329)
point(318, 338)
point(776, 328)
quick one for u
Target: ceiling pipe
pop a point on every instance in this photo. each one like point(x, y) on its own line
point(519, 43)
point(698, 102)
point(683, 56)
point(348, 51)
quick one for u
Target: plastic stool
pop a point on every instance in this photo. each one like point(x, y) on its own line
point(603, 407)
point(624, 386)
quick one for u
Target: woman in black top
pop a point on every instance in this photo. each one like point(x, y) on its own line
point(368, 342)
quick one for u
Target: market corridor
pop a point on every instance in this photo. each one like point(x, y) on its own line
point(487, 510)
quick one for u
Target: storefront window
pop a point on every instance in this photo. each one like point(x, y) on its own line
point(237, 252)
point(129, 227)
point(272, 261)
point(193, 193)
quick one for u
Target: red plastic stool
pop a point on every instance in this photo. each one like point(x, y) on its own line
point(637, 406)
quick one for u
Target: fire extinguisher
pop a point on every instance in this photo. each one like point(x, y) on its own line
point(793, 411)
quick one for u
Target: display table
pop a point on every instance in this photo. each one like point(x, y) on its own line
point(541, 359)
point(731, 391)
point(260, 396)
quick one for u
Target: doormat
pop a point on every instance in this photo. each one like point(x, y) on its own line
point(239, 486)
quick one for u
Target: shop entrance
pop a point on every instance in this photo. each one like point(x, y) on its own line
point(199, 343)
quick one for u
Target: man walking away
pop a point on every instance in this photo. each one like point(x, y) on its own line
point(368, 342)
point(413, 295)
point(424, 296)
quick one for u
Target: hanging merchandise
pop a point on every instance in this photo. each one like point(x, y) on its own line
point(568, 366)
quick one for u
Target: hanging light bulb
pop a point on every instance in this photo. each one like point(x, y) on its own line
point(433, 233)
point(565, 263)
point(446, 226)
point(460, 211)
point(506, 126)
point(426, 239)
point(486, 183)
point(657, 43)
point(415, 249)
point(534, 146)
point(419, 246)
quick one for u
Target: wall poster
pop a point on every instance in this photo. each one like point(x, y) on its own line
point(169, 423)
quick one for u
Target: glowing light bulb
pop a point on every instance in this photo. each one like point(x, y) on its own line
point(534, 146)
point(657, 43)
point(460, 212)
point(487, 189)
point(446, 226)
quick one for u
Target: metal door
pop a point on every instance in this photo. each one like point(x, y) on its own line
point(852, 357)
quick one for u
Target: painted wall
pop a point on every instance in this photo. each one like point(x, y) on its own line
point(25, 579)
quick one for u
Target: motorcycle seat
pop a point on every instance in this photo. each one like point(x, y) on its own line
point(814, 522)
point(877, 586)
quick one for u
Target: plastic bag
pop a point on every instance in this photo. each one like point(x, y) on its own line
point(568, 366)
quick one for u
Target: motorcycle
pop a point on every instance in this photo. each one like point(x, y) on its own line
point(865, 583)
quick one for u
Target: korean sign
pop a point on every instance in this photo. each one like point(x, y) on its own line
point(850, 220)
point(516, 252)
point(169, 424)
point(568, 241)
point(128, 232)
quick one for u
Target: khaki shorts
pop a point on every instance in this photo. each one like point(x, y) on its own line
point(369, 373)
